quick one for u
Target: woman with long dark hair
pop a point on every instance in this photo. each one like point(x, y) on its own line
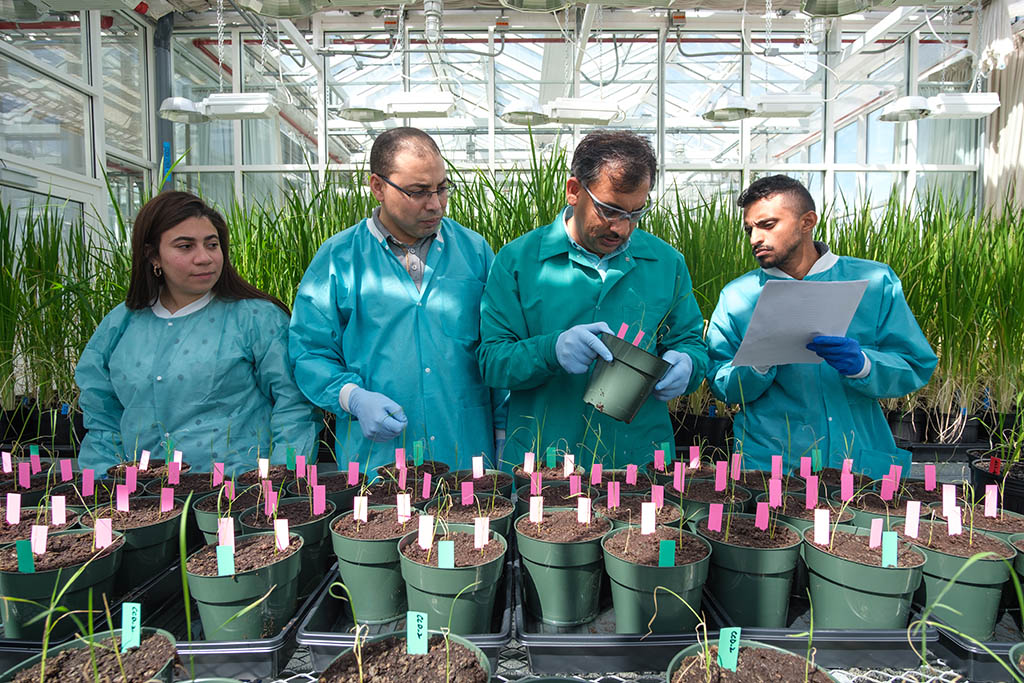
point(195, 359)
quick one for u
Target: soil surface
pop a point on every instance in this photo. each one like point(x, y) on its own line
point(197, 483)
point(494, 507)
point(491, 481)
point(872, 502)
point(431, 467)
point(23, 529)
point(296, 514)
point(465, 554)
point(386, 660)
point(250, 554)
point(554, 495)
point(913, 489)
point(754, 665)
point(242, 502)
point(379, 525)
point(742, 532)
point(796, 506)
point(757, 480)
point(276, 474)
point(704, 491)
point(549, 473)
point(37, 482)
point(383, 493)
point(832, 476)
point(643, 484)
point(332, 483)
point(140, 664)
point(560, 526)
point(629, 510)
point(1006, 523)
point(66, 550)
point(157, 470)
point(1016, 469)
point(855, 548)
point(632, 546)
point(933, 535)
point(141, 513)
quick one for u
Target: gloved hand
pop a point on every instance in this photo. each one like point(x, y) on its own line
point(678, 376)
point(842, 353)
point(578, 346)
point(380, 418)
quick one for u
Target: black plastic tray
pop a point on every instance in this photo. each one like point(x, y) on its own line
point(595, 648)
point(943, 452)
point(836, 648)
point(971, 659)
point(326, 630)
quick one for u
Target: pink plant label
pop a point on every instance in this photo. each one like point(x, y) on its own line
point(715, 516)
point(875, 538)
point(774, 492)
point(360, 507)
point(720, 475)
point(659, 460)
point(353, 474)
point(467, 493)
point(929, 477)
point(400, 458)
point(478, 466)
point(737, 462)
point(638, 338)
point(218, 473)
point(37, 466)
point(320, 499)
point(403, 475)
point(311, 475)
point(122, 497)
point(895, 471)
point(694, 457)
point(267, 487)
point(648, 517)
point(6, 461)
point(658, 496)
point(631, 474)
point(177, 457)
point(425, 537)
point(887, 488)
point(821, 526)
point(131, 478)
point(270, 504)
point(481, 531)
point(425, 493)
point(174, 473)
point(535, 484)
point(776, 467)
point(38, 537)
point(846, 486)
point(300, 467)
point(805, 466)
point(13, 508)
point(583, 510)
point(761, 516)
point(678, 476)
point(954, 524)
point(166, 499)
point(613, 494)
point(623, 329)
point(536, 509)
point(229, 490)
point(847, 466)
point(281, 533)
point(144, 460)
point(575, 485)
point(948, 498)
point(65, 469)
point(24, 475)
point(58, 510)
point(88, 482)
point(811, 495)
point(104, 532)
point(991, 499)
point(595, 474)
point(528, 462)
point(568, 464)
point(403, 505)
point(913, 518)
point(263, 465)
point(226, 531)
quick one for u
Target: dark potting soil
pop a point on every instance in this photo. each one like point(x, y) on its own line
point(37, 482)
point(855, 548)
point(386, 661)
point(465, 554)
point(250, 553)
point(491, 481)
point(704, 491)
point(932, 535)
point(560, 526)
point(632, 546)
point(198, 482)
point(332, 483)
point(296, 513)
point(243, 501)
point(754, 665)
point(913, 489)
point(1011, 470)
point(432, 467)
point(276, 474)
point(872, 502)
point(383, 493)
point(832, 476)
point(379, 525)
point(757, 480)
point(76, 666)
point(795, 505)
point(642, 482)
point(1005, 523)
point(547, 473)
point(23, 529)
point(554, 495)
point(65, 550)
point(140, 513)
point(629, 509)
point(157, 469)
point(494, 507)
point(742, 532)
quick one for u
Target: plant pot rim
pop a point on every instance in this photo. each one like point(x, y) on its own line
point(464, 528)
point(926, 549)
point(327, 515)
point(515, 527)
point(787, 525)
point(291, 536)
point(613, 532)
point(115, 535)
point(415, 514)
point(861, 531)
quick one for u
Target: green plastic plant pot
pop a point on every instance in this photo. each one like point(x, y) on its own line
point(1016, 652)
point(40, 588)
point(698, 648)
point(207, 521)
point(502, 525)
point(1003, 535)
point(753, 584)
point(372, 572)
point(523, 499)
point(448, 596)
point(851, 595)
point(633, 592)
point(222, 597)
point(622, 524)
point(165, 674)
point(1018, 560)
point(485, 664)
point(484, 485)
point(561, 581)
point(316, 553)
point(342, 499)
point(971, 605)
point(619, 389)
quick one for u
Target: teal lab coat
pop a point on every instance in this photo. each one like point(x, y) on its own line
point(358, 318)
point(215, 384)
point(536, 290)
point(794, 407)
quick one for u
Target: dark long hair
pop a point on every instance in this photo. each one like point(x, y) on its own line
point(160, 214)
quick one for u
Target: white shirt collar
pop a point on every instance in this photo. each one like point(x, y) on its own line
point(826, 260)
point(199, 304)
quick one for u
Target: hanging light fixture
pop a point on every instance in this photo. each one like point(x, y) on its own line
point(181, 110)
point(729, 107)
point(908, 108)
point(524, 113)
point(358, 108)
point(582, 111)
point(419, 104)
point(833, 8)
point(963, 105)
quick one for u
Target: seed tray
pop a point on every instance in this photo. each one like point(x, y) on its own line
point(595, 647)
point(971, 659)
point(836, 648)
point(327, 628)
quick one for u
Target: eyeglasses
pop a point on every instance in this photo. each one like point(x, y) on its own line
point(423, 195)
point(613, 213)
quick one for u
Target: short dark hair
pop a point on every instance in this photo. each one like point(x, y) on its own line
point(769, 186)
point(390, 142)
point(627, 157)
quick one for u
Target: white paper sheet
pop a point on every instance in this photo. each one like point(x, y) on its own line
point(790, 313)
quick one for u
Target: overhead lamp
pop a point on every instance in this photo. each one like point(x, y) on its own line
point(908, 108)
point(794, 106)
point(419, 104)
point(582, 111)
point(280, 9)
point(729, 107)
point(523, 113)
point(245, 105)
point(359, 108)
point(966, 105)
point(182, 110)
point(833, 8)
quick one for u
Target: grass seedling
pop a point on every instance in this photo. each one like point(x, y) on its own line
point(116, 648)
point(702, 625)
point(183, 555)
point(446, 631)
point(358, 629)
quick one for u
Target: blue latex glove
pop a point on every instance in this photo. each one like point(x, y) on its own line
point(578, 346)
point(842, 353)
point(380, 418)
point(677, 378)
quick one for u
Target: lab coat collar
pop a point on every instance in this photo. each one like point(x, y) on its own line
point(555, 241)
point(199, 304)
point(826, 259)
point(380, 233)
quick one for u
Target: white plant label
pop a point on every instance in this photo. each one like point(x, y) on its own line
point(568, 464)
point(481, 531)
point(144, 461)
point(648, 514)
point(426, 534)
point(359, 508)
point(178, 457)
point(583, 510)
point(536, 509)
point(264, 467)
point(528, 461)
point(404, 504)
point(821, 526)
point(913, 519)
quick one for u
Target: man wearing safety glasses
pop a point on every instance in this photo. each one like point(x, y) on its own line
point(385, 324)
point(553, 291)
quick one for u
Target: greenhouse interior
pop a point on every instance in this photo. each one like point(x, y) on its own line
point(261, 211)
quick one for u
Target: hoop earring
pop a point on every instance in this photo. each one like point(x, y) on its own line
point(158, 271)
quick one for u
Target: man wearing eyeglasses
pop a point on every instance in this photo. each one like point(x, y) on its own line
point(385, 324)
point(553, 291)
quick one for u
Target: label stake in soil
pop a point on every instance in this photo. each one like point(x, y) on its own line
point(399, 458)
point(737, 464)
point(166, 499)
point(846, 486)
point(805, 467)
point(549, 456)
point(417, 453)
point(536, 509)
point(467, 493)
point(729, 648)
point(715, 515)
point(658, 496)
point(218, 473)
point(528, 459)
point(648, 515)
point(694, 457)
point(281, 533)
point(289, 458)
point(913, 518)
point(667, 554)
point(319, 499)
point(131, 625)
point(678, 473)
point(174, 472)
point(446, 554)
point(263, 465)
point(613, 494)
point(991, 499)
point(478, 466)
point(300, 467)
point(26, 563)
point(122, 497)
point(403, 503)
point(38, 538)
point(131, 478)
point(811, 494)
point(761, 518)
point(481, 532)
point(659, 460)
point(58, 510)
point(816, 460)
point(535, 484)
point(631, 474)
point(103, 532)
point(178, 457)
point(575, 485)
point(33, 457)
point(353, 473)
point(775, 493)
point(7, 461)
point(847, 466)
point(24, 475)
point(226, 532)
point(65, 469)
point(426, 486)
point(311, 474)
point(426, 532)
point(583, 510)
point(225, 560)
point(720, 474)
point(13, 508)
point(875, 538)
point(889, 549)
point(595, 474)
point(948, 499)
point(888, 488)
point(359, 508)
point(88, 482)
point(954, 524)
point(416, 633)
point(821, 526)
point(929, 477)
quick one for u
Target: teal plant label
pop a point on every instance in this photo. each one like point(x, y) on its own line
point(670, 453)
point(667, 554)
point(728, 648)
point(416, 633)
point(131, 625)
point(816, 460)
point(26, 563)
point(225, 560)
point(417, 453)
point(291, 458)
point(550, 457)
point(889, 549)
point(33, 451)
point(446, 554)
